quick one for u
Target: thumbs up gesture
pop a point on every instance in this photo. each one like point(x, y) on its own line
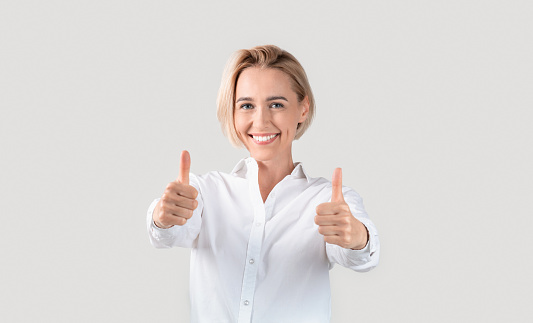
point(178, 202)
point(336, 222)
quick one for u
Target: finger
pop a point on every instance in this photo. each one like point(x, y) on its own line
point(178, 200)
point(334, 240)
point(173, 220)
point(170, 210)
point(328, 230)
point(332, 208)
point(184, 190)
point(325, 208)
point(327, 220)
point(185, 167)
point(336, 183)
point(182, 212)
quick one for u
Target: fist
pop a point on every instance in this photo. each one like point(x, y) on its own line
point(336, 222)
point(178, 202)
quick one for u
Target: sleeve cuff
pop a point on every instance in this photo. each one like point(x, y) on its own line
point(365, 255)
point(155, 231)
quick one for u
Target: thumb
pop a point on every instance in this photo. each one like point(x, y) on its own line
point(185, 167)
point(336, 183)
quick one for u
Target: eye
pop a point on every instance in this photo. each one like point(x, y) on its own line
point(277, 105)
point(246, 106)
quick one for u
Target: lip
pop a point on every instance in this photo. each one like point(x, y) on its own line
point(263, 135)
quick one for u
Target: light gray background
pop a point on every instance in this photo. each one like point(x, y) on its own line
point(427, 106)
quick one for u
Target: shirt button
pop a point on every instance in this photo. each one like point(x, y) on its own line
point(258, 224)
point(251, 261)
point(246, 302)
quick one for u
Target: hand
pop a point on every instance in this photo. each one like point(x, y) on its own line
point(336, 222)
point(179, 199)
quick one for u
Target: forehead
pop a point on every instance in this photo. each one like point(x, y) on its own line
point(258, 82)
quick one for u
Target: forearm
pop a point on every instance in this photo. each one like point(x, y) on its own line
point(175, 236)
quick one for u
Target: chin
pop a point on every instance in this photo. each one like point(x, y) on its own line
point(262, 155)
point(267, 154)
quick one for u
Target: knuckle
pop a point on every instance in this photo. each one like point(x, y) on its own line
point(348, 231)
point(162, 219)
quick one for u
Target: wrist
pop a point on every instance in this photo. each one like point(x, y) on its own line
point(365, 237)
point(155, 215)
point(161, 226)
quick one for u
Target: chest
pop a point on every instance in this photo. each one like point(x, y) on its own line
point(236, 222)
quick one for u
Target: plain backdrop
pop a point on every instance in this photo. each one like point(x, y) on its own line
point(426, 105)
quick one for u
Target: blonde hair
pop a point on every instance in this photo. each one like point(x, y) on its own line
point(268, 56)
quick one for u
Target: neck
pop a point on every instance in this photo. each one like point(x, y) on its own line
point(271, 172)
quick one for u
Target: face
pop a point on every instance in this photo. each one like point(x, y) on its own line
point(267, 113)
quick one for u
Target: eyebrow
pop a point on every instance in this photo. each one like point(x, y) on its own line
point(270, 98)
point(246, 98)
point(273, 98)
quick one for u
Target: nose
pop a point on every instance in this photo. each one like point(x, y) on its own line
point(262, 116)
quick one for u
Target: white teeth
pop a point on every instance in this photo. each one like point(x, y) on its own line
point(264, 138)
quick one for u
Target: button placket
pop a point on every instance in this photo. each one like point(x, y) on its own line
point(254, 247)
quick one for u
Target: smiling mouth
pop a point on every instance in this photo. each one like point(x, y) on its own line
point(265, 139)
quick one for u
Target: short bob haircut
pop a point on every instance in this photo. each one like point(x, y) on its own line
point(268, 56)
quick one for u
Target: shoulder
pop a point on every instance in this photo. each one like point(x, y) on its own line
point(213, 176)
point(214, 179)
point(319, 182)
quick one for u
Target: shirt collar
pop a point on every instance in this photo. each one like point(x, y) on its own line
point(242, 167)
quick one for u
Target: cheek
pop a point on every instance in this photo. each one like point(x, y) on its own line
point(240, 124)
point(237, 121)
point(290, 124)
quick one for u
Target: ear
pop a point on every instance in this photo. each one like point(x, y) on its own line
point(305, 109)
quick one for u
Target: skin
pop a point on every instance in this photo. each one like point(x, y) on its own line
point(266, 105)
point(178, 202)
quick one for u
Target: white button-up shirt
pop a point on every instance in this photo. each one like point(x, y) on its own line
point(262, 262)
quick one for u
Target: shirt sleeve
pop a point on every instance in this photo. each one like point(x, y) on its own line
point(358, 260)
point(177, 236)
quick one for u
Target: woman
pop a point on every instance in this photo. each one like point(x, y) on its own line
point(263, 237)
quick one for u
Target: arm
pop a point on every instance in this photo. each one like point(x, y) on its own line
point(177, 235)
point(359, 260)
point(351, 238)
point(175, 219)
